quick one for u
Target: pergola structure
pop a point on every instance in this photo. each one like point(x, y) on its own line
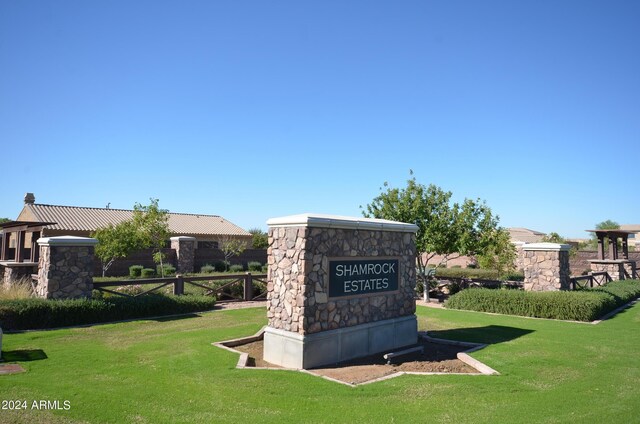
point(616, 266)
point(612, 236)
point(20, 231)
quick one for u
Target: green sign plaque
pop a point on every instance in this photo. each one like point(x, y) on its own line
point(362, 276)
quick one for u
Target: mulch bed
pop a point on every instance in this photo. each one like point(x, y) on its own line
point(437, 358)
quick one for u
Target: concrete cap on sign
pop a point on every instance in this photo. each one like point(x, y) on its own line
point(547, 246)
point(342, 222)
point(182, 238)
point(67, 241)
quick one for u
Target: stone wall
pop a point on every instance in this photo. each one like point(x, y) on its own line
point(65, 267)
point(617, 269)
point(297, 289)
point(10, 272)
point(546, 267)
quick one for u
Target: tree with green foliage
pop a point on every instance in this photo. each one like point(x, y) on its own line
point(116, 241)
point(607, 225)
point(554, 238)
point(152, 224)
point(499, 253)
point(260, 238)
point(231, 247)
point(444, 228)
point(3, 220)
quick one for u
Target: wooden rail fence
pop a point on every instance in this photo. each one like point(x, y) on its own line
point(246, 281)
point(594, 278)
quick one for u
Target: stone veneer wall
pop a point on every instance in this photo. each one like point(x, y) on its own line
point(546, 267)
point(65, 267)
point(185, 248)
point(298, 278)
point(16, 271)
point(617, 269)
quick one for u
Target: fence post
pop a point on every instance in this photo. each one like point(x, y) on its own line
point(248, 287)
point(178, 286)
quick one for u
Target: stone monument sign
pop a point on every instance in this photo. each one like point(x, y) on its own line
point(338, 288)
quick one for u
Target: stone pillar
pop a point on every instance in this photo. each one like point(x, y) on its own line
point(619, 269)
point(66, 267)
point(546, 267)
point(338, 288)
point(185, 248)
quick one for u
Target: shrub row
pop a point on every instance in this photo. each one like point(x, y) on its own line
point(136, 271)
point(487, 274)
point(579, 305)
point(219, 266)
point(622, 291)
point(27, 314)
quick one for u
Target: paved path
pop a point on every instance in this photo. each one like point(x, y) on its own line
point(263, 303)
point(241, 305)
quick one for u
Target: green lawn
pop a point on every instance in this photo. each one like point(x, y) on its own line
point(167, 371)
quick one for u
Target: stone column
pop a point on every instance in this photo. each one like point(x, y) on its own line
point(546, 267)
point(185, 248)
point(66, 267)
point(338, 288)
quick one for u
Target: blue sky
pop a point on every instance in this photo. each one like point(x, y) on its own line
point(258, 109)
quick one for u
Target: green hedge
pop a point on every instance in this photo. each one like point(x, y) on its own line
point(135, 271)
point(621, 291)
point(27, 314)
point(579, 305)
point(487, 274)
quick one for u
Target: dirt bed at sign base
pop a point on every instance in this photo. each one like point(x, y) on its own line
point(437, 358)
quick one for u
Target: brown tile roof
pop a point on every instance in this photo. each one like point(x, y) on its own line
point(525, 235)
point(75, 218)
point(631, 227)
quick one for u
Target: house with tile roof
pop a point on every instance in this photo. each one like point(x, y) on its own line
point(208, 230)
point(634, 237)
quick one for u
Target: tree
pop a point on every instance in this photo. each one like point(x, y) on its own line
point(607, 225)
point(500, 253)
point(444, 228)
point(152, 224)
point(116, 241)
point(554, 238)
point(592, 243)
point(260, 238)
point(3, 220)
point(231, 247)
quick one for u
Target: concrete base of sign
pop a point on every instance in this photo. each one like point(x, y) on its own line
point(293, 350)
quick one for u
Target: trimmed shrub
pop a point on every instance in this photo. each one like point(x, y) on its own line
point(27, 314)
point(220, 266)
point(622, 291)
point(255, 266)
point(169, 270)
point(488, 274)
point(512, 276)
point(566, 305)
point(236, 268)
point(135, 271)
point(265, 268)
point(207, 269)
point(148, 273)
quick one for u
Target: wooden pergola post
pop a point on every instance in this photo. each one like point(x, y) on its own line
point(600, 245)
